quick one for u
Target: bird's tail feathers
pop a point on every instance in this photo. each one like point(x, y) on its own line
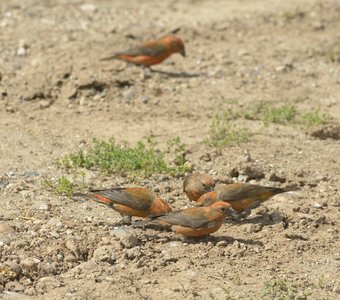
point(113, 55)
point(94, 197)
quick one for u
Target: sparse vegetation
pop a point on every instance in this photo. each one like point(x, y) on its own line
point(176, 146)
point(142, 160)
point(283, 290)
point(267, 113)
point(284, 114)
point(289, 16)
point(64, 186)
point(333, 53)
point(221, 134)
point(314, 118)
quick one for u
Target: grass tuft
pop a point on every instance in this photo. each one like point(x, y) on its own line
point(267, 113)
point(314, 118)
point(222, 135)
point(64, 186)
point(333, 53)
point(140, 161)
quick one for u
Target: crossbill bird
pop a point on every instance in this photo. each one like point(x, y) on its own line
point(197, 184)
point(242, 197)
point(196, 221)
point(129, 202)
point(151, 52)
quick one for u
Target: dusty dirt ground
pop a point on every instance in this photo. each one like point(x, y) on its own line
point(56, 95)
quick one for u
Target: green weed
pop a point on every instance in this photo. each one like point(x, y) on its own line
point(333, 53)
point(314, 118)
point(283, 290)
point(221, 134)
point(141, 161)
point(267, 113)
point(278, 289)
point(64, 186)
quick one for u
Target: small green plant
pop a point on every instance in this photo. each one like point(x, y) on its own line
point(289, 16)
point(176, 146)
point(267, 113)
point(282, 115)
point(142, 160)
point(64, 186)
point(314, 118)
point(278, 289)
point(283, 290)
point(221, 134)
point(333, 53)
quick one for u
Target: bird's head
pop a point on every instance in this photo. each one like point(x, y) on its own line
point(174, 44)
point(223, 207)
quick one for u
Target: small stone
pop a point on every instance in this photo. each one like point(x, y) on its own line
point(321, 220)
point(242, 178)
point(276, 217)
point(21, 51)
point(45, 284)
point(317, 205)
point(296, 236)
point(105, 254)
point(85, 267)
point(72, 246)
point(54, 222)
point(6, 229)
point(127, 239)
point(89, 7)
point(7, 233)
point(222, 244)
point(14, 286)
point(133, 253)
point(30, 264)
point(249, 228)
point(130, 94)
point(30, 291)
point(41, 205)
point(9, 270)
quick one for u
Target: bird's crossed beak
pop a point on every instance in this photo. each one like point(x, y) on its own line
point(182, 52)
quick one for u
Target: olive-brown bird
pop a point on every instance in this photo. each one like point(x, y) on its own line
point(241, 196)
point(196, 221)
point(129, 202)
point(197, 184)
point(151, 52)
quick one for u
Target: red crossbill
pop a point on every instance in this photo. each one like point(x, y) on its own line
point(151, 52)
point(196, 221)
point(241, 196)
point(195, 185)
point(129, 202)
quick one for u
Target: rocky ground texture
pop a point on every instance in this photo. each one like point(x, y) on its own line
point(56, 95)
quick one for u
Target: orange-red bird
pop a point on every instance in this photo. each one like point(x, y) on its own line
point(151, 52)
point(196, 221)
point(197, 184)
point(241, 196)
point(129, 202)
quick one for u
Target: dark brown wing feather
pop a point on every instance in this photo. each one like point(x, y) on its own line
point(191, 217)
point(136, 198)
point(150, 49)
point(235, 192)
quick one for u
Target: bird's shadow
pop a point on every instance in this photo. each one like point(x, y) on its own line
point(262, 219)
point(176, 74)
point(211, 239)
